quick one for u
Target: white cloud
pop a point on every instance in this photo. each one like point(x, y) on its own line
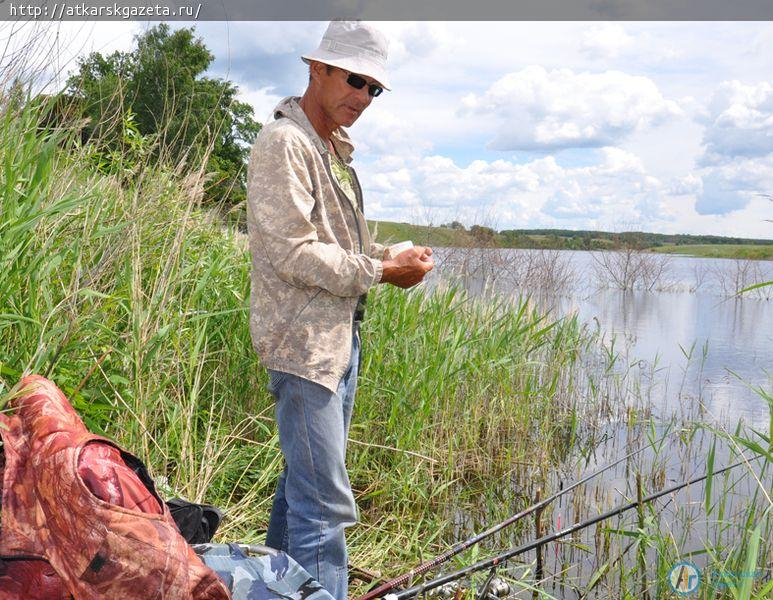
point(411, 41)
point(615, 189)
point(537, 109)
point(686, 185)
point(539, 192)
point(737, 159)
point(731, 186)
point(605, 41)
point(381, 131)
point(739, 122)
point(263, 101)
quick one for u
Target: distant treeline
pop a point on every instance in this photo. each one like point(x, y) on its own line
point(590, 240)
point(455, 234)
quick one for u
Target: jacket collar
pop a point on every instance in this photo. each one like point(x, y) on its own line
point(290, 109)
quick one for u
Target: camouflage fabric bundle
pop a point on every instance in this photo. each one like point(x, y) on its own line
point(272, 575)
point(99, 549)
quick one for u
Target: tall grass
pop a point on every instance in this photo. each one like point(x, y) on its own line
point(134, 300)
point(120, 288)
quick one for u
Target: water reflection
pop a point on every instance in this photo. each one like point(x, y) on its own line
point(704, 346)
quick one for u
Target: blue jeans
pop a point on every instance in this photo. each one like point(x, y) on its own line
point(314, 503)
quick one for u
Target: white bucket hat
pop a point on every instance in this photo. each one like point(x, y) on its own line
point(355, 47)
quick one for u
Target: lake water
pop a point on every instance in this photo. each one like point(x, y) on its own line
point(691, 338)
point(697, 350)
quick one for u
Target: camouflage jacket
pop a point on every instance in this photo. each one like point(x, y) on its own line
point(312, 257)
point(99, 550)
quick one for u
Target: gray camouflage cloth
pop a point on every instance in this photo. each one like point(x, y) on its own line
point(263, 577)
point(312, 256)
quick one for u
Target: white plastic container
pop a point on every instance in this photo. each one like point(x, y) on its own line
point(396, 249)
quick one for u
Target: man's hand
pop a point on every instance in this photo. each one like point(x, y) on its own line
point(426, 252)
point(408, 268)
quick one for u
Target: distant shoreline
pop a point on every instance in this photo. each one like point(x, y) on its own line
point(456, 235)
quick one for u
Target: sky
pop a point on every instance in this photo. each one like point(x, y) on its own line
point(652, 126)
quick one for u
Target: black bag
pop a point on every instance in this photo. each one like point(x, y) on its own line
point(197, 522)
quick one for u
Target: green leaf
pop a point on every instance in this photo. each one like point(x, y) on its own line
point(750, 566)
point(17, 319)
point(754, 287)
point(596, 577)
point(710, 473)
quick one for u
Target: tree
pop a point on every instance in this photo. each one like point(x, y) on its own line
point(188, 116)
point(485, 237)
point(455, 225)
point(629, 266)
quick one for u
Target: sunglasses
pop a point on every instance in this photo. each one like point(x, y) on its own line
point(358, 83)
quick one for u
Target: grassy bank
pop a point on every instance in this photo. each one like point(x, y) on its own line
point(118, 287)
point(389, 232)
point(739, 251)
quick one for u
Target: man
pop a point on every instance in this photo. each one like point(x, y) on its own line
point(312, 265)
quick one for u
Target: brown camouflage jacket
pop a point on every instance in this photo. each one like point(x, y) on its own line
point(99, 550)
point(312, 257)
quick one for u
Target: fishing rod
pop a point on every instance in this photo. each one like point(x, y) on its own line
point(495, 561)
point(462, 546)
